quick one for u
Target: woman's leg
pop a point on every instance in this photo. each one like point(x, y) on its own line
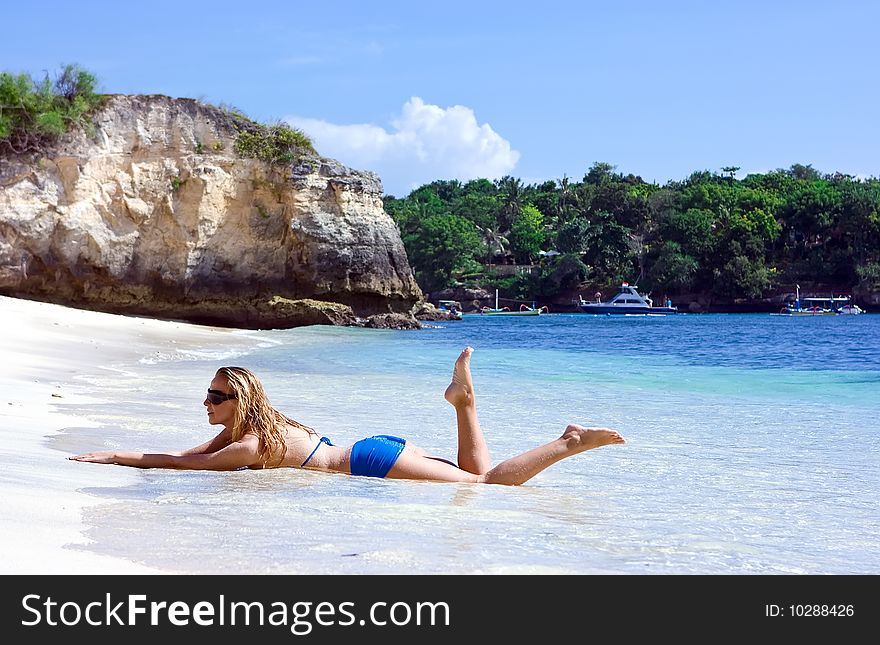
point(473, 453)
point(574, 440)
point(414, 464)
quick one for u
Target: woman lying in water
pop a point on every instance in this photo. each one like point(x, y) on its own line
point(256, 435)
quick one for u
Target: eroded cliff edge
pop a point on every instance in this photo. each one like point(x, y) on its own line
point(154, 213)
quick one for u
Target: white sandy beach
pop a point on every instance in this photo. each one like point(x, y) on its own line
point(46, 351)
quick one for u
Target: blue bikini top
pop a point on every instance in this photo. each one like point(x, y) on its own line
point(320, 441)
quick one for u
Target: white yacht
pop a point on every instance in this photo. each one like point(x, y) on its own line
point(627, 301)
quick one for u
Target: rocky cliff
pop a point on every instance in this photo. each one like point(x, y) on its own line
point(154, 213)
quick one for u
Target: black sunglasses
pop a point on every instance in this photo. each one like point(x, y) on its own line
point(216, 397)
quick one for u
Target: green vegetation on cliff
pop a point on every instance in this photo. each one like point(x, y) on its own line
point(33, 114)
point(276, 144)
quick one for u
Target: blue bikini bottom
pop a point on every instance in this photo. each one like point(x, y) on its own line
point(374, 456)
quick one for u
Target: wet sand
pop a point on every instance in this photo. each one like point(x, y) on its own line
point(48, 352)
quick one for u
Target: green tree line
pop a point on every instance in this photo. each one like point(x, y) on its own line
point(711, 234)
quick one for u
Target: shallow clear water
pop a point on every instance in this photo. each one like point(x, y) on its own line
point(752, 447)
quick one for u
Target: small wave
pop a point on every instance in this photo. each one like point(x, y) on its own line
point(208, 354)
point(117, 370)
point(264, 341)
point(191, 355)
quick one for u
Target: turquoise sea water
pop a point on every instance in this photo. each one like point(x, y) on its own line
point(752, 448)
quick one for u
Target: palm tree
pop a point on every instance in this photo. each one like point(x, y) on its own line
point(566, 198)
point(511, 193)
point(493, 239)
point(637, 244)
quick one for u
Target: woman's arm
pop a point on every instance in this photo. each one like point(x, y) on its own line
point(243, 453)
point(212, 445)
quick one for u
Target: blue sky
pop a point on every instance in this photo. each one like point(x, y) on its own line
point(456, 90)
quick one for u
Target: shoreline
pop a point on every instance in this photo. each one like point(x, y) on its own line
point(48, 350)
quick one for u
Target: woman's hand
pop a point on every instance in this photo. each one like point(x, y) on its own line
point(103, 457)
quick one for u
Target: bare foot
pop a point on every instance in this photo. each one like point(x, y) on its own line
point(580, 438)
point(461, 389)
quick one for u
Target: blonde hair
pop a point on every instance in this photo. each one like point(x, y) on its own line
point(256, 415)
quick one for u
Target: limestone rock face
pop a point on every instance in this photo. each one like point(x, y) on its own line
point(156, 214)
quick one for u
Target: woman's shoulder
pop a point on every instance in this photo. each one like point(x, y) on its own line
point(298, 432)
point(250, 440)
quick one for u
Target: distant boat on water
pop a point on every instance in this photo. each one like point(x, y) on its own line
point(451, 307)
point(524, 310)
point(627, 301)
point(820, 306)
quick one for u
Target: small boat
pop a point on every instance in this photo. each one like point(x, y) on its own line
point(809, 307)
point(507, 311)
point(451, 307)
point(628, 301)
point(524, 310)
point(850, 309)
point(831, 306)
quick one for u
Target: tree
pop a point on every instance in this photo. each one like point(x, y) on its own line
point(564, 275)
point(494, 242)
point(544, 197)
point(34, 114)
point(599, 173)
point(741, 275)
point(527, 235)
point(510, 192)
point(860, 228)
point(73, 81)
point(567, 198)
point(673, 269)
point(609, 249)
point(809, 213)
point(805, 173)
point(448, 191)
point(477, 207)
point(439, 247)
point(573, 236)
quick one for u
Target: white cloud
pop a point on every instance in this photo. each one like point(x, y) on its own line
point(424, 143)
